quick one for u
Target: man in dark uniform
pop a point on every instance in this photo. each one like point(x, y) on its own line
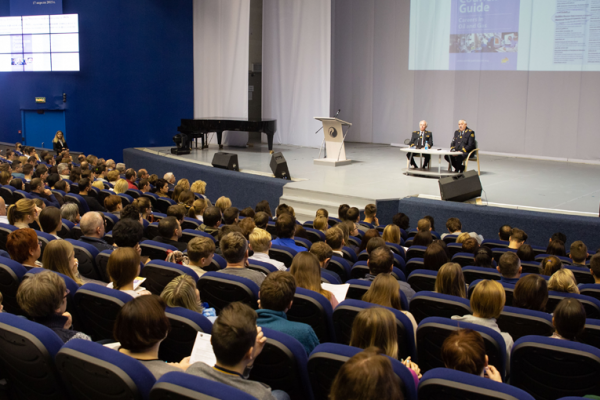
point(418, 140)
point(463, 142)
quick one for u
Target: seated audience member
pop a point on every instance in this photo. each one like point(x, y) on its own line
point(247, 212)
point(300, 232)
point(212, 220)
point(93, 230)
point(377, 327)
point(28, 172)
point(556, 248)
point(385, 291)
point(85, 185)
point(185, 183)
point(487, 302)
point(424, 225)
point(470, 246)
point(263, 206)
point(307, 271)
point(568, 319)
point(321, 223)
point(176, 192)
point(23, 213)
point(122, 269)
point(39, 203)
point(391, 234)
point(342, 211)
point(130, 177)
point(526, 253)
point(517, 238)
point(353, 215)
point(51, 221)
point(144, 186)
point(114, 205)
point(23, 246)
point(276, 298)
point(236, 342)
point(370, 216)
point(247, 226)
point(261, 219)
point(435, 256)
point(200, 251)
point(334, 237)
point(484, 258)
point(462, 237)
point(531, 293)
point(59, 256)
point(260, 243)
point(422, 239)
point(231, 216)
point(550, 265)
point(323, 252)
point(368, 375)
point(178, 211)
point(3, 217)
point(368, 235)
point(121, 186)
point(128, 233)
point(235, 251)
point(186, 199)
point(169, 232)
point(140, 328)
point(284, 209)
point(450, 280)
point(381, 261)
point(454, 227)
point(197, 209)
point(578, 253)
point(43, 297)
point(223, 203)
point(504, 233)
point(563, 280)
point(70, 212)
point(321, 212)
point(18, 184)
point(97, 184)
point(558, 236)
point(464, 350)
point(595, 267)
point(198, 187)
point(431, 221)
point(285, 227)
point(38, 191)
point(162, 188)
point(62, 185)
point(509, 267)
point(132, 212)
point(182, 292)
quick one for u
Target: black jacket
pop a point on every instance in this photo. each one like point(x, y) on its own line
point(416, 141)
point(464, 142)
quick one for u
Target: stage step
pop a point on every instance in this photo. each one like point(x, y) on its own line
point(307, 202)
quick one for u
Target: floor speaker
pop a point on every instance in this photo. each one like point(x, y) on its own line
point(226, 161)
point(279, 166)
point(460, 187)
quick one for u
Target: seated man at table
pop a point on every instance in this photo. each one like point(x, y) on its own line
point(418, 140)
point(462, 142)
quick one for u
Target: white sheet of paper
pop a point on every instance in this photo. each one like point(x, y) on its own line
point(113, 345)
point(203, 350)
point(136, 283)
point(339, 291)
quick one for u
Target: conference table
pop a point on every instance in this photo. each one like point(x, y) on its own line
point(440, 152)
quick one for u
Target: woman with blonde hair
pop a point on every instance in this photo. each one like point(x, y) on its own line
point(391, 234)
point(199, 187)
point(197, 209)
point(450, 280)
point(59, 144)
point(121, 186)
point(182, 292)
point(462, 237)
point(223, 203)
point(307, 272)
point(98, 185)
point(59, 256)
point(321, 223)
point(563, 280)
point(184, 183)
point(376, 326)
point(385, 291)
point(23, 213)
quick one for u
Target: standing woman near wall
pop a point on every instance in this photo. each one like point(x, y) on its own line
point(59, 143)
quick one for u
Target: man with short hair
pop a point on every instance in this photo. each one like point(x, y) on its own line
point(130, 177)
point(63, 170)
point(276, 298)
point(424, 225)
point(85, 185)
point(470, 246)
point(334, 237)
point(177, 211)
point(504, 233)
point(143, 174)
point(260, 243)
point(595, 267)
point(38, 191)
point(558, 236)
point(17, 169)
point(285, 227)
point(509, 267)
point(128, 233)
point(381, 261)
point(170, 178)
point(201, 251)
point(517, 238)
point(100, 172)
point(212, 220)
point(41, 171)
point(323, 252)
point(578, 253)
point(110, 164)
point(462, 142)
point(235, 251)
point(454, 227)
point(418, 140)
point(371, 215)
point(144, 185)
point(169, 232)
point(120, 167)
point(231, 216)
point(93, 230)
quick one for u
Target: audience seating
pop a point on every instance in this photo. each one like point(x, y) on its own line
point(330, 277)
point(80, 201)
point(464, 259)
point(89, 368)
point(498, 251)
point(451, 238)
point(590, 304)
point(271, 229)
point(11, 275)
point(415, 252)
point(565, 260)
point(189, 234)
point(86, 255)
point(134, 193)
point(397, 249)
point(314, 309)
point(283, 254)
point(159, 273)
point(156, 250)
point(454, 248)
point(153, 199)
point(185, 325)
point(110, 220)
point(531, 267)
point(151, 231)
point(315, 235)
point(582, 274)
point(360, 269)
point(190, 223)
point(282, 365)
point(326, 360)
point(444, 383)
point(65, 230)
point(359, 287)
point(217, 263)
point(432, 332)
point(431, 304)
point(422, 280)
point(76, 232)
point(346, 311)
point(590, 289)
point(472, 274)
point(218, 290)
point(6, 192)
point(349, 254)
point(125, 199)
point(591, 334)
point(182, 386)
point(162, 203)
point(303, 242)
point(494, 243)
point(5, 230)
point(44, 239)
point(261, 266)
point(102, 262)
point(340, 267)
point(548, 368)
point(519, 322)
point(27, 351)
point(414, 264)
point(20, 194)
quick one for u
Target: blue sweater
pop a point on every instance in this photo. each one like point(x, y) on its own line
point(277, 320)
point(288, 242)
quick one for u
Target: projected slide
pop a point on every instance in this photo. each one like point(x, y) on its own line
point(39, 43)
point(505, 35)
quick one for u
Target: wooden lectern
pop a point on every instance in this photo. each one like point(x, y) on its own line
point(333, 131)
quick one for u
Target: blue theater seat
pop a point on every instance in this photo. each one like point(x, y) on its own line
point(313, 309)
point(185, 325)
point(220, 289)
point(182, 386)
point(159, 273)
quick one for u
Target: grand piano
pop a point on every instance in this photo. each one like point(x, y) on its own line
point(199, 128)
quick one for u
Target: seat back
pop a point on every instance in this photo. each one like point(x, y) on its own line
point(98, 308)
point(110, 220)
point(282, 253)
point(591, 290)
point(5, 230)
point(282, 365)
point(563, 259)
point(340, 267)
point(494, 243)
point(415, 252)
point(218, 290)
point(430, 304)
point(216, 264)
point(414, 264)
point(519, 322)
point(162, 203)
point(303, 242)
point(450, 238)
point(463, 259)
point(65, 230)
point(349, 254)
point(80, 201)
point(315, 235)
point(27, 351)
point(90, 368)
point(190, 223)
point(313, 309)
point(153, 199)
point(548, 368)
point(422, 280)
point(189, 234)
point(330, 277)
point(432, 332)
point(7, 194)
point(182, 386)
point(134, 193)
point(591, 334)
point(151, 230)
point(11, 275)
point(156, 250)
point(102, 262)
point(262, 266)
point(76, 232)
point(86, 255)
point(397, 249)
point(454, 248)
point(185, 325)
point(498, 251)
point(159, 273)
point(582, 274)
point(531, 267)
point(590, 304)
point(359, 270)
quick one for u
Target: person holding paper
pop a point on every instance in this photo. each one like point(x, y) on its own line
point(381, 261)
point(418, 140)
point(463, 142)
point(276, 296)
point(307, 271)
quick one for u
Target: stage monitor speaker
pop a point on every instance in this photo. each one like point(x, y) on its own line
point(461, 187)
point(226, 161)
point(279, 166)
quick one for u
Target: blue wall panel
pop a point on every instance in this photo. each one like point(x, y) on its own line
point(135, 83)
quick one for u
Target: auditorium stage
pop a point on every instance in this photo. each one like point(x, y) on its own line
point(377, 173)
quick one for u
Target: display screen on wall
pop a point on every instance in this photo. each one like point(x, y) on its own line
point(39, 43)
